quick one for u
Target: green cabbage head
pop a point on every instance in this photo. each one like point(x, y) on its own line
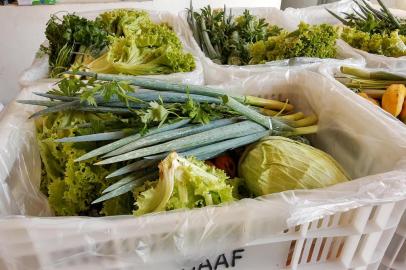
point(277, 164)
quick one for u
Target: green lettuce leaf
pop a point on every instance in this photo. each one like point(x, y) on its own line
point(184, 183)
point(391, 44)
point(307, 41)
point(71, 186)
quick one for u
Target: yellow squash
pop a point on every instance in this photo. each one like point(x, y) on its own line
point(393, 98)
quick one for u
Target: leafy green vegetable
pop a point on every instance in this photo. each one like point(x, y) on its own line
point(126, 56)
point(388, 44)
point(118, 41)
point(276, 164)
point(120, 22)
point(70, 39)
point(183, 183)
point(373, 21)
point(307, 41)
point(225, 38)
point(71, 186)
point(374, 31)
point(140, 46)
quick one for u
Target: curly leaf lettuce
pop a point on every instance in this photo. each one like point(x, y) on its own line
point(125, 56)
point(392, 44)
point(72, 186)
point(183, 183)
point(120, 22)
point(307, 41)
point(139, 46)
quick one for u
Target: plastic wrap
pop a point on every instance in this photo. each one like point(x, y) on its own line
point(38, 71)
point(318, 14)
point(216, 74)
point(370, 145)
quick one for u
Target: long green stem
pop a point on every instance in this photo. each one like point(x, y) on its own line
point(66, 106)
point(135, 166)
point(374, 74)
point(45, 103)
point(170, 135)
point(105, 136)
point(211, 136)
point(117, 144)
point(126, 187)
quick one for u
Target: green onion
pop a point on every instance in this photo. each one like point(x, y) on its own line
point(126, 187)
point(135, 166)
point(212, 150)
point(117, 144)
point(170, 135)
point(211, 136)
point(58, 108)
point(101, 109)
point(307, 121)
point(46, 103)
point(162, 85)
point(372, 75)
point(294, 116)
point(130, 178)
point(105, 136)
point(56, 97)
point(272, 124)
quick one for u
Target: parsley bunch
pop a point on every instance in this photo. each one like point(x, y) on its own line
point(71, 39)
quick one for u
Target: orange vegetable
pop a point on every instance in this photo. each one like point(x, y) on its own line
point(393, 98)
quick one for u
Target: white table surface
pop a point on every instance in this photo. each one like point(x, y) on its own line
point(22, 30)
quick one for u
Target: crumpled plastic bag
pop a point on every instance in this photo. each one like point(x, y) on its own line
point(318, 14)
point(217, 74)
point(38, 71)
point(369, 144)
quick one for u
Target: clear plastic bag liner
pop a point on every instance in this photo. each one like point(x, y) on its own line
point(38, 71)
point(216, 74)
point(318, 14)
point(368, 143)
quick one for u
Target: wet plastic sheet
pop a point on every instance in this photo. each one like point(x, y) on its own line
point(216, 74)
point(369, 144)
point(38, 71)
point(318, 14)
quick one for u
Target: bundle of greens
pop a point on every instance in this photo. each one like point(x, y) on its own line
point(307, 41)
point(107, 121)
point(118, 41)
point(247, 39)
point(225, 38)
point(374, 31)
point(71, 40)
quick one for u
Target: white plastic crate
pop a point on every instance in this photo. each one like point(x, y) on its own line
point(395, 255)
point(355, 239)
point(38, 71)
point(346, 226)
point(219, 74)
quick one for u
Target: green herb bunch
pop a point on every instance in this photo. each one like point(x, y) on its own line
point(371, 20)
point(72, 37)
point(224, 38)
point(375, 31)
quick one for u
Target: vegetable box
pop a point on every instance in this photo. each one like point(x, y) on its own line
point(216, 74)
point(38, 71)
point(345, 226)
point(319, 14)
